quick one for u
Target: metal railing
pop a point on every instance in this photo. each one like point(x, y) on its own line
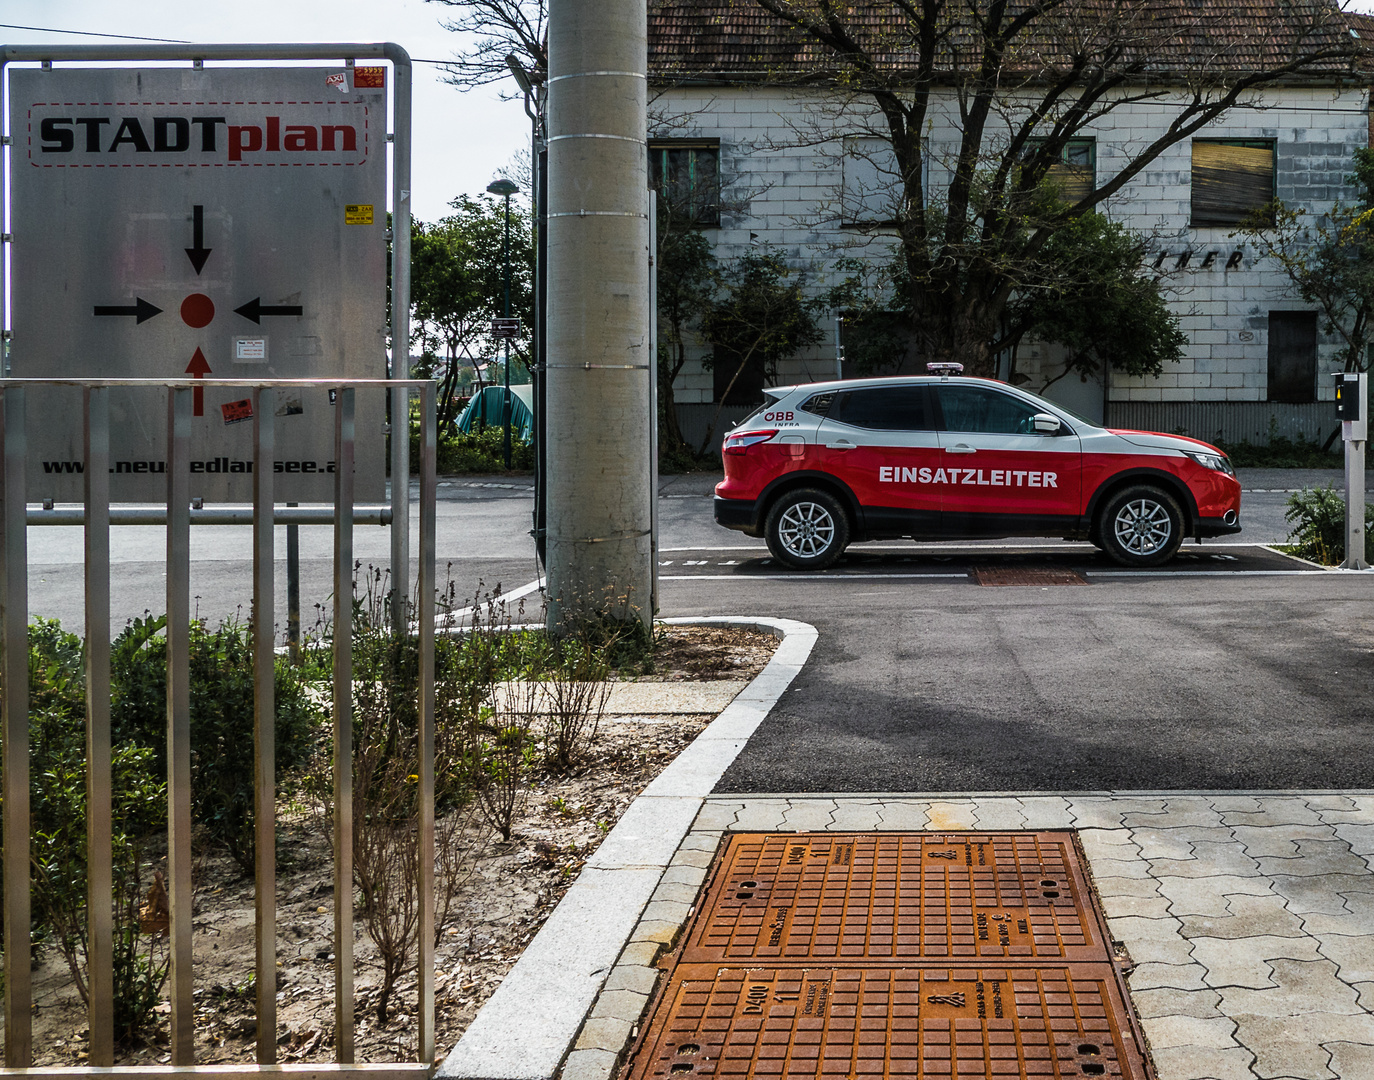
point(14, 714)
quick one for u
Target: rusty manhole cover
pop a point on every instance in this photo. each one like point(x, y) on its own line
point(1015, 575)
point(897, 897)
point(876, 1022)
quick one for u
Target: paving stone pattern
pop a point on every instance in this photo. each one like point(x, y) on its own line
point(1249, 918)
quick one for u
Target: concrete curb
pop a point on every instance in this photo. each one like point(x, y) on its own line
point(627, 904)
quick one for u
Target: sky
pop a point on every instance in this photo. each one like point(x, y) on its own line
point(462, 140)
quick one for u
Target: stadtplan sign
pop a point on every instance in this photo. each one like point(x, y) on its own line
point(199, 223)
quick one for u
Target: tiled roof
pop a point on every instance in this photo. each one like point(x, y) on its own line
point(737, 39)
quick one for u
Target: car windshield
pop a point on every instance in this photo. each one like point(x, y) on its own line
point(1064, 409)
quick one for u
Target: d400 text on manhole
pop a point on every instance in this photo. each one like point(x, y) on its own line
point(1050, 1021)
point(897, 897)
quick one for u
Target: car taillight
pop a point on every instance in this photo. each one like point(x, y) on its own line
point(736, 442)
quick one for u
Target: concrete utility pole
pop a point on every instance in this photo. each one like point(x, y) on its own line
point(600, 406)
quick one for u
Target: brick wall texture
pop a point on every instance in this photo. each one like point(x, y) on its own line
point(782, 176)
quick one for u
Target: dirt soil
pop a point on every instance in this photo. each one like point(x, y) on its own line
point(511, 891)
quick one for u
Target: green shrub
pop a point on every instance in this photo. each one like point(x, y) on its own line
point(1281, 453)
point(57, 764)
point(221, 692)
point(1317, 516)
point(474, 452)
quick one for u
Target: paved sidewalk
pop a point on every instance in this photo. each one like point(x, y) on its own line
point(1249, 916)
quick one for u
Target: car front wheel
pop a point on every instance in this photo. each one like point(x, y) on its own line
point(1141, 526)
point(807, 529)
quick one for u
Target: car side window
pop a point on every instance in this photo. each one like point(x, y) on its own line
point(885, 408)
point(983, 411)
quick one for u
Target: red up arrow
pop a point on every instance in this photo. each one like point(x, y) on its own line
point(197, 369)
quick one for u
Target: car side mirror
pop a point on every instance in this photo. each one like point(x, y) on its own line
point(1046, 424)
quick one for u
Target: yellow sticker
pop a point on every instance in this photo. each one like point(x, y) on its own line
point(358, 214)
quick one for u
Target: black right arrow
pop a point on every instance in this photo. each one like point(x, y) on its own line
point(141, 310)
point(255, 309)
point(199, 253)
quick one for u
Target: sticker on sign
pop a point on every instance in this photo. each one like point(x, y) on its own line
point(236, 412)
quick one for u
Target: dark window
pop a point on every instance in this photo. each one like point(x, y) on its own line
point(1075, 173)
point(989, 412)
point(686, 175)
point(1293, 356)
point(820, 404)
point(887, 408)
point(1232, 180)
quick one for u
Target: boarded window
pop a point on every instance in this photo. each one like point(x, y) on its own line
point(872, 185)
point(1293, 356)
point(1075, 173)
point(1232, 179)
point(686, 175)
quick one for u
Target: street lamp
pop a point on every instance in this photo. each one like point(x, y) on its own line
point(506, 189)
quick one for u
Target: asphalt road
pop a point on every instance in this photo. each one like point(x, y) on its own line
point(1235, 667)
point(483, 542)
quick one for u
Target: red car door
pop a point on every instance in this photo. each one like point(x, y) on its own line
point(878, 440)
point(997, 475)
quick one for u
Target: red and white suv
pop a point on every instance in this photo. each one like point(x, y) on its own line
point(827, 464)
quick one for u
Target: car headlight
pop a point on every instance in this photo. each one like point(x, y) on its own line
point(1219, 462)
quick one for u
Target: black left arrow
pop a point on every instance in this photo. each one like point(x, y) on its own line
point(255, 309)
point(198, 253)
point(140, 309)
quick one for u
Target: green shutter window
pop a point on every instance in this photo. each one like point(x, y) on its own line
point(1232, 179)
point(686, 175)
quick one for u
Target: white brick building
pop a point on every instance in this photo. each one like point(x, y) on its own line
point(797, 170)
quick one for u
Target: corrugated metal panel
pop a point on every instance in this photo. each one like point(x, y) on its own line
point(1253, 422)
point(695, 420)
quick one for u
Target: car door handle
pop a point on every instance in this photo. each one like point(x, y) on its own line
point(840, 444)
point(960, 448)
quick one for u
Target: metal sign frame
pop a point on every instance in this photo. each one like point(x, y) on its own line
point(348, 52)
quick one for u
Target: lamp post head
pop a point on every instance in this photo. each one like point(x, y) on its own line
point(503, 187)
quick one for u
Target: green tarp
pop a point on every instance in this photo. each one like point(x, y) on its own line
point(487, 409)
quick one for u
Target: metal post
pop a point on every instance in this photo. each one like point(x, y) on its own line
point(1354, 506)
point(1354, 390)
point(505, 313)
point(343, 726)
point(99, 800)
point(179, 721)
point(599, 529)
point(264, 726)
point(653, 400)
point(293, 588)
point(541, 355)
point(425, 613)
point(14, 613)
point(839, 345)
point(400, 351)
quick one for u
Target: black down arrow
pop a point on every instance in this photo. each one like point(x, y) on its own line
point(199, 253)
point(140, 309)
point(255, 309)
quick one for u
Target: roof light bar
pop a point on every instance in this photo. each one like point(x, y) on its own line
point(945, 370)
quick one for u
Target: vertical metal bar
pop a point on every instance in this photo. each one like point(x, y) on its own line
point(400, 341)
point(264, 725)
point(425, 613)
point(343, 726)
point(179, 720)
point(14, 612)
point(293, 589)
point(99, 803)
point(653, 403)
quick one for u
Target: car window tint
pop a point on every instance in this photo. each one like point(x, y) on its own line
point(990, 412)
point(883, 408)
point(820, 404)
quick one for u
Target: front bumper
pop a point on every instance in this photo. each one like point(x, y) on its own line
point(1215, 526)
point(738, 514)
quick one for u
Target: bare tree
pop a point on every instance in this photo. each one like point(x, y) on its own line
point(497, 29)
point(1010, 82)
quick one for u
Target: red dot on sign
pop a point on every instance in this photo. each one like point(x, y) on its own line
point(197, 310)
